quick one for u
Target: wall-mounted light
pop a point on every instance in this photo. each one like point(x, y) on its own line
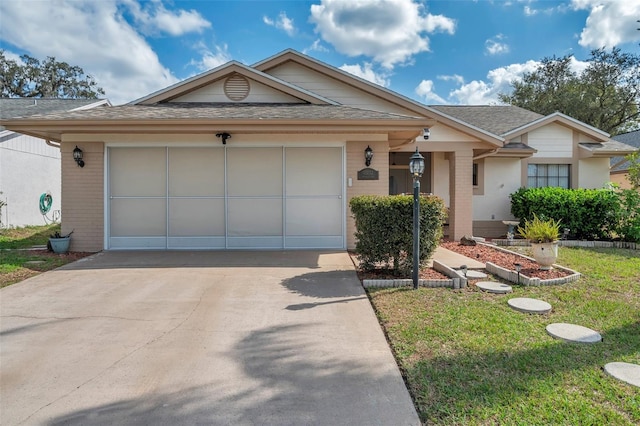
point(77, 156)
point(224, 136)
point(368, 156)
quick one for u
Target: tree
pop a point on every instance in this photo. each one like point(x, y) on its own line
point(605, 95)
point(47, 79)
point(634, 169)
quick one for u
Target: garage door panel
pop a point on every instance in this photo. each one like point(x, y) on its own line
point(138, 172)
point(254, 172)
point(314, 217)
point(138, 217)
point(254, 217)
point(196, 217)
point(196, 172)
point(313, 171)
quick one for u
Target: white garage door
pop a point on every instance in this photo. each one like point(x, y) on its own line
point(222, 197)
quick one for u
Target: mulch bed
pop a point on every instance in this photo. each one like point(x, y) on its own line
point(484, 253)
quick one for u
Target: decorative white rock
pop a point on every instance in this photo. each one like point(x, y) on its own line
point(475, 275)
point(529, 306)
point(573, 333)
point(624, 371)
point(494, 287)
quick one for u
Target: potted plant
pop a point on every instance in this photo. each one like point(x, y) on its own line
point(59, 243)
point(543, 234)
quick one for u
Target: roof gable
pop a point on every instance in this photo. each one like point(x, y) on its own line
point(227, 70)
point(559, 118)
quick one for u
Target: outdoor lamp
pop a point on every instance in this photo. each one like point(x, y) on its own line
point(416, 167)
point(77, 156)
point(518, 269)
point(416, 164)
point(368, 156)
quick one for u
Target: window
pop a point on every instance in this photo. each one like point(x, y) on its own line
point(475, 174)
point(541, 175)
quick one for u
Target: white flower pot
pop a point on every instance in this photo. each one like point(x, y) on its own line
point(545, 254)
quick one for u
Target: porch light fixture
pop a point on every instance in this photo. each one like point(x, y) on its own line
point(224, 136)
point(77, 156)
point(416, 167)
point(368, 156)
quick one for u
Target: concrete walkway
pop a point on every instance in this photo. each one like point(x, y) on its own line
point(167, 338)
point(454, 260)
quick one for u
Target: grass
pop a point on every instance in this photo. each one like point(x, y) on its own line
point(470, 359)
point(17, 263)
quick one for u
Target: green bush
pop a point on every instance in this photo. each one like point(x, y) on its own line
point(384, 229)
point(590, 214)
point(628, 228)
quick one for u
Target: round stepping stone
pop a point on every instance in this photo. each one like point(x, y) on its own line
point(494, 287)
point(529, 306)
point(476, 274)
point(624, 371)
point(573, 333)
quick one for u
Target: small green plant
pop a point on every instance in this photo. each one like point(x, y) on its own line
point(539, 230)
point(57, 234)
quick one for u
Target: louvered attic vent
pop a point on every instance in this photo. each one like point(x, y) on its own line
point(236, 87)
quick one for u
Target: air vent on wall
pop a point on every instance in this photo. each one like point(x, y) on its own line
point(236, 87)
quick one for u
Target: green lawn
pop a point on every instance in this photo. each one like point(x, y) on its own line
point(17, 263)
point(470, 359)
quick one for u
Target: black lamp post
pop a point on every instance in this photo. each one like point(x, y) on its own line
point(416, 168)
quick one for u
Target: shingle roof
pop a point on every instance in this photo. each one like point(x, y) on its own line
point(24, 107)
point(497, 119)
point(222, 111)
point(630, 138)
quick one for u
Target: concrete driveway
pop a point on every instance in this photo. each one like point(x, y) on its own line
point(171, 338)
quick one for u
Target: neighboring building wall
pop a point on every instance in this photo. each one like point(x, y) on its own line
point(28, 168)
point(593, 173)
point(621, 178)
point(83, 202)
point(355, 162)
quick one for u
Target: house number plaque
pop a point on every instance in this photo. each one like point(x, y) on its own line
point(368, 174)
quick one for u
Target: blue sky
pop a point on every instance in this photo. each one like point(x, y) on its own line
point(433, 51)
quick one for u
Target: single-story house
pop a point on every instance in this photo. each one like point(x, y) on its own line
point(268, 156)
point(28, 166)
point(619, 164)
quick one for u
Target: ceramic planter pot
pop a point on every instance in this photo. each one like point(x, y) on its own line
point(545, 254)
point(60, 245)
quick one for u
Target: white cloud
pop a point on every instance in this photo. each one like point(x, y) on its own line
point(211, 59)
point(499, 81)
point(315, 47)
point(283, 22)
point(496, 46)
point(154, 17)
point(610, 22)
point(99, 40)
point(390, 32)
point(458, 79)
point(529, 11)
point(366, 72)
point(425, 91)
point(479, 92)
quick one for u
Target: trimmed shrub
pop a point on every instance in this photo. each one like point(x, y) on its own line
point(590, 214)
point(384, 229)
point(628, 228)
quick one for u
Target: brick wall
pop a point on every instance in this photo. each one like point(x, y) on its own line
point(461, 201)
point(82, 196)
point(355, 162)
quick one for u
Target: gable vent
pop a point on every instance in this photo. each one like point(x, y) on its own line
point(236, 87)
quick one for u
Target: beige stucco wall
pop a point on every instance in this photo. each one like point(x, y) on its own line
point(593, 173)
point(621, 178)
point(501, 178)
point(82, 196)
point(355, 162)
